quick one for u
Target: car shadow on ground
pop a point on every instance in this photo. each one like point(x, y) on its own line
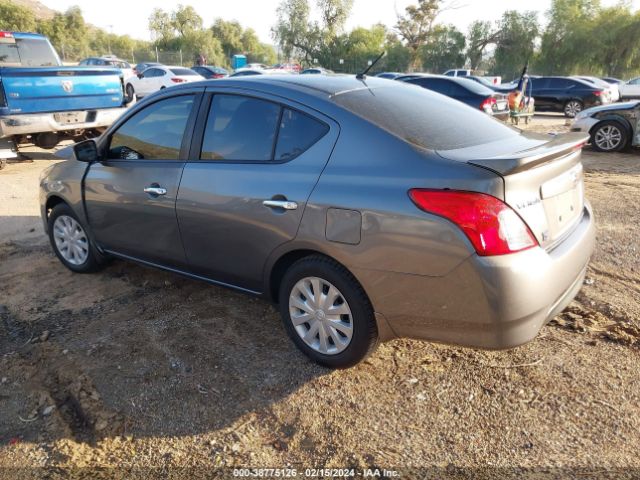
point(133, 350)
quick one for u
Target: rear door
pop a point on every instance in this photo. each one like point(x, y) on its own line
point(130, 195)
point(252, 167)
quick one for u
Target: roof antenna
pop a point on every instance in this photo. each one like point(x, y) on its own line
point(363, 75)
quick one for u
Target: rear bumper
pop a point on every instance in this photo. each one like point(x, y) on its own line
point(486, 302)
point(30, 123)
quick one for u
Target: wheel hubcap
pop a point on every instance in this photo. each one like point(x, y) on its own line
point(608, 137)
point(70, 239)
point(321, 315)
point(573, 108)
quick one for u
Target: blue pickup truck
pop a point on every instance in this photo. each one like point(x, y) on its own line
point(43, 102)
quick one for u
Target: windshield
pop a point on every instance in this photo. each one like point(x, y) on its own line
point(28, 52)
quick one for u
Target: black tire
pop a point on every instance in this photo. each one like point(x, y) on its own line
point(617, 140)
point(364, 338)
point(3, 162)
point(94, 260)
point(130, 93)
point(572, 108)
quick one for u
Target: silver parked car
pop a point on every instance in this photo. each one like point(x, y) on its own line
point(366, 209)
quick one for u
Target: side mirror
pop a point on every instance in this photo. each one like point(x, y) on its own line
point(139, 75)
point(86, 151)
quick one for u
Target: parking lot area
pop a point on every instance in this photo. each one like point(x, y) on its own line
point(136, 367)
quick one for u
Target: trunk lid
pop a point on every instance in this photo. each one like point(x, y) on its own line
point(59, 89)
point(543, 179)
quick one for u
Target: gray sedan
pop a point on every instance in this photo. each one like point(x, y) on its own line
point(365, 209)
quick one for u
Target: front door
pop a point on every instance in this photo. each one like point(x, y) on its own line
point(130, 196)
point(244, 191)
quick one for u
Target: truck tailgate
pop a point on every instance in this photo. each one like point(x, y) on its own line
point(58, 89)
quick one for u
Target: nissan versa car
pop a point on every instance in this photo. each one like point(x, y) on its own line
point(366, 209)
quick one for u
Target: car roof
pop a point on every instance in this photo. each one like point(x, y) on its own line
point(462, 81)
point(321, 86)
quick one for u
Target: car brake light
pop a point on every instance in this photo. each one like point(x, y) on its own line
point(6, 35)
point(490, 224)
point(488, 103)
point(597, 93)
point(178, 80)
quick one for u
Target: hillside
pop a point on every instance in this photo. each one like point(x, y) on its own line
point(41, 11)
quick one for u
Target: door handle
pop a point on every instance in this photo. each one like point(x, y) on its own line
point(155, 190)
point(284, 204)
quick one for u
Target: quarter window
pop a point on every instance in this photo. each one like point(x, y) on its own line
point(297, 133)
point(154, 133)
point(240, 128)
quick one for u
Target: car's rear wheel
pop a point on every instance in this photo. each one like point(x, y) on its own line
point(573, 108)
point(609, 136)
point(326, 312)
point(70, 241)
point(130, 92)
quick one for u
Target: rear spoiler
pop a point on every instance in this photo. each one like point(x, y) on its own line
point(560, 146)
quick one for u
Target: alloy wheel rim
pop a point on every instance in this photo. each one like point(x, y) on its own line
point(71, 240)
point(321, 315)
point(608, 137)
point(573, 108)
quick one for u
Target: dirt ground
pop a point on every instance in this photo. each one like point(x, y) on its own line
point(136, 368)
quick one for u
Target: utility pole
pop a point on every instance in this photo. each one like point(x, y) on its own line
point(109, 38)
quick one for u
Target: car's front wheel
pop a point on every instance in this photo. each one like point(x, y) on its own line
point(326, 312)
point(573, 108)
point(70, 241)
point(609, 136)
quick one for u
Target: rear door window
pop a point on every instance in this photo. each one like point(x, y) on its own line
point(240, 129)
point(154, 133)
point(298, 132)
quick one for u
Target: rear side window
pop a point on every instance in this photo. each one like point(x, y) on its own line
point(240, 128)
point(423, 118)
point(154, 133)
point(298, 132)
point(183, 71)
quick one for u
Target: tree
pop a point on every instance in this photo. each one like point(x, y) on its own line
point(16, 18)
point(567, 38)
point(229, 34)
point(68, 33)
point(291, 31)
point(444, 49)
point(481, 35)
point(185, 20)
point(416, 26)
point(516, 42)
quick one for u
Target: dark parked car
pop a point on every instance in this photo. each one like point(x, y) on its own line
point(209, 71)
point(365, 210)
point(141, 67)
point(567, 95)
point(389, 75)
point(612, 80)
point(316, 71)
point(464, 90)
point(501, 88)
point(611, 127)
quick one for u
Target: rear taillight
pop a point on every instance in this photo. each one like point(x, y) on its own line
point(217, 75)
point(598, 93)
point(6, 35)
point(488, 103)
point(178, 80)
point(491, 225)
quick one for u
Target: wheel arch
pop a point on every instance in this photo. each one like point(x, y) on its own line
point(52, 202)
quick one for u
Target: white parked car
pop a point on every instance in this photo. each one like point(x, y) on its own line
point(109, 61)
point(611, 88)
point(159, 77)
point(630, 89)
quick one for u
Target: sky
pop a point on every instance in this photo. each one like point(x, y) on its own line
point(130, 16)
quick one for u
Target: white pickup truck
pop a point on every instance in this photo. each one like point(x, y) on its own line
point(464, 72)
